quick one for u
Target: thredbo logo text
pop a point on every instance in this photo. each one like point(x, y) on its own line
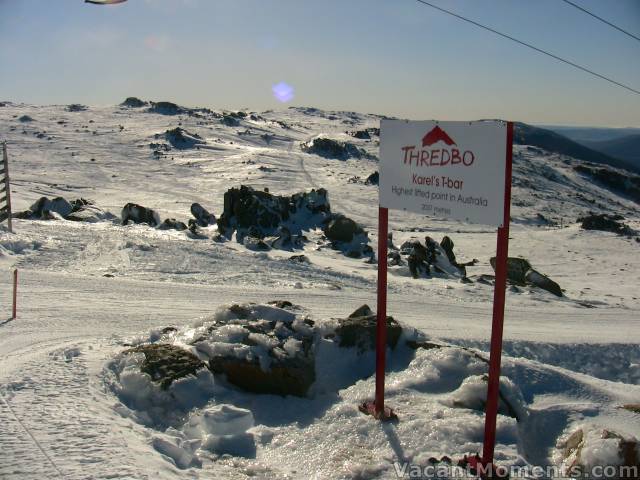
point(437, 157)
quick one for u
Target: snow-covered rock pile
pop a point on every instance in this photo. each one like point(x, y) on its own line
point(262, 220)
point(335, 149)
point(592, 451)
point(79, 210)
point(182, 139)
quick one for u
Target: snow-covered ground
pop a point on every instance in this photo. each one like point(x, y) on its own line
point(86, 289)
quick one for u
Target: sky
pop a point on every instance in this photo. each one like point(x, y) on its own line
point(391, 57)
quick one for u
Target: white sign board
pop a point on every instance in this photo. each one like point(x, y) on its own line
point(453, 170)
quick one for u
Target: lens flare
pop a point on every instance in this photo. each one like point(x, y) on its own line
point(283, 92)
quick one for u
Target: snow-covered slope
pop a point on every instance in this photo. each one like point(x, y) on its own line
point(88, 288)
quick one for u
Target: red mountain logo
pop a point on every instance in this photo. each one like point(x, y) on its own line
point(436, 135)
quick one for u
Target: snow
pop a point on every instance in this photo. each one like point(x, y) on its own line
point(71, 402)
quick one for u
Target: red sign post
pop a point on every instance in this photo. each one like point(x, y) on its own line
point(489, 174)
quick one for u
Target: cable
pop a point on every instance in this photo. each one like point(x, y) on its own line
point(637, 92)
point(601, 19)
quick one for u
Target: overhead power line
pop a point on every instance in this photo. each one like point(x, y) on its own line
point(528, 45)
point(602, 19)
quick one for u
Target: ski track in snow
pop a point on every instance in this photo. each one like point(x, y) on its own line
point(57, 418)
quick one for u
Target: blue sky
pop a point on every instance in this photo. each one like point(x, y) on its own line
point(394, 57)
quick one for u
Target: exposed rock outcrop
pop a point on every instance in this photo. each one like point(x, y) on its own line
point(605, 223)
point(335, 149)
point(520, 272)
point(165, 363)
point(139, 214)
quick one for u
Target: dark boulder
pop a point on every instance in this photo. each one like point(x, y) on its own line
point(359, 330)
point(520, 272)
point(285, 378)
point(373, 179)
point(202, 215)
point(25, 119)
point(342, 229)
point(230, 120)
point(605, 223)
point(517, 269)
point(165, 108)
point(166, 363)
point(76, 107)
point(246, 207)
point(139, 214)
point(335, 149)
point(172, 224)
point(133, 102)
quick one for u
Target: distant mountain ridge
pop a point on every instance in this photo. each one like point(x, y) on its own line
point(551, 141)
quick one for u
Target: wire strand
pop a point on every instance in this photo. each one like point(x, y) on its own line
point(528, 45)
point(602, 19)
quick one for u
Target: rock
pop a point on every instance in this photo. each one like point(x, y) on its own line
point(182, 139)
point(202, 215)
point(166, 363)
point(230, 120)
point(255, 243)
point(172, 224)
point(592, 446)
point(520, 272)
point(359, 330)
point(262, 349)
point(342, 229)
point(79, 210)
point(88, 213)
point(361, 134)
point(25, 119)
point(284, 240)
point(447, 246)
point(245, 207)
point(43, 207)
point(299, 259)
point(133, 102)
point(472, 394)
point(165, 108)
point(373, 179)
point(281, 303)
point(632, 407)
point(542, 281)
point(605, 223)
point(329, 148)
point(621, 181)
point(394, 258)
point(517, 268)
point(363, 311)
point(139, 214)
point(76, 107)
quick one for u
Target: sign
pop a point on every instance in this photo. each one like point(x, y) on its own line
point(452, 170)
point(456, 170)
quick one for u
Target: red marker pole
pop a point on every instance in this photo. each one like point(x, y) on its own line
point(498, 313)
point(15, 292)
point(381, 328)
